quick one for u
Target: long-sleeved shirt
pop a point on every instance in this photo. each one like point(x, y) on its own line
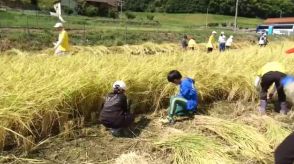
point(114, 109)
point(189, 92)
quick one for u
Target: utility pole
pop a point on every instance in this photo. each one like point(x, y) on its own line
point(120, 4)
point(207, 14)
point(281, 13)
point(207, 17)
point(236, 16)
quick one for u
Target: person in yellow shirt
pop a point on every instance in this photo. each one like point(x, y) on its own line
point(211, 42)
point(192, 44)
point(271, 73)
point(62, 45)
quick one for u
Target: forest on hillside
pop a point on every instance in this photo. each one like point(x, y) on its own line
point(247, 8)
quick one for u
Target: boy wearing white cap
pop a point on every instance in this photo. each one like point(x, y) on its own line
point(115, 113)
point(62, 45)
point(222, 42)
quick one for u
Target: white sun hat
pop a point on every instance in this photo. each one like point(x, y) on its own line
point(57, 25)
point(214, 32)
point(222, 32)
point(120, 84)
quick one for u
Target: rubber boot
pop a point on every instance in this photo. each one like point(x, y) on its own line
point(284, 109)
point(171, 121)
point(116, 132)
point(262, 107)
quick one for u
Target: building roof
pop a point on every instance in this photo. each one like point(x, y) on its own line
point(109, 2)
point(287, 20)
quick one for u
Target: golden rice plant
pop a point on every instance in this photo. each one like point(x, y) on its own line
point(274, 130)
point(191, 148)
point(37, 88)
point(248, 144)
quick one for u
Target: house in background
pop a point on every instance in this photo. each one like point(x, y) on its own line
point(70, 4)
point(287, 20)
point(277, 26)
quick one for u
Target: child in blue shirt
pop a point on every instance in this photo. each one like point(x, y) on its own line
point(186, 101)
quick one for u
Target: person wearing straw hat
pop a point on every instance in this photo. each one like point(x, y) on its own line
point(186, 102)
point(222, 42)
point(271, 73)
point(62, 45)
point(211, 42)
point(115, 112)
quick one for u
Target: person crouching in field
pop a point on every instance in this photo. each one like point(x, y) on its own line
point(272, 73)
point(62, 45)
point(185, 103)
point(115, 113)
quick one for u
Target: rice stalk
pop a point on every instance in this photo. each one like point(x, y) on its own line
point(32, 84)
point(191, 148)
point(248, 143)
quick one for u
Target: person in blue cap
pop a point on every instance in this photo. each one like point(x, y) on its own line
point(186, 101)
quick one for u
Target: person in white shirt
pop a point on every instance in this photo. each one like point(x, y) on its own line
point(229, 42)
point(262, 40)
point(222, 42)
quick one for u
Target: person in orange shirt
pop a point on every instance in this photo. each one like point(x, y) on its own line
point(62, 45)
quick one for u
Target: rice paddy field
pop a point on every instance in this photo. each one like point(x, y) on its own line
point(49, 105)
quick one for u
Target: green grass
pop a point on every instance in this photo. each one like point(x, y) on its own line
point(186, 20)
point(107, 31)
point(168, 22)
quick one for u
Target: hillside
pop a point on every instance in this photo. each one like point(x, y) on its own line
point(162, 21)
point(35, 30)
point(247, 8)
point(168, 20)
